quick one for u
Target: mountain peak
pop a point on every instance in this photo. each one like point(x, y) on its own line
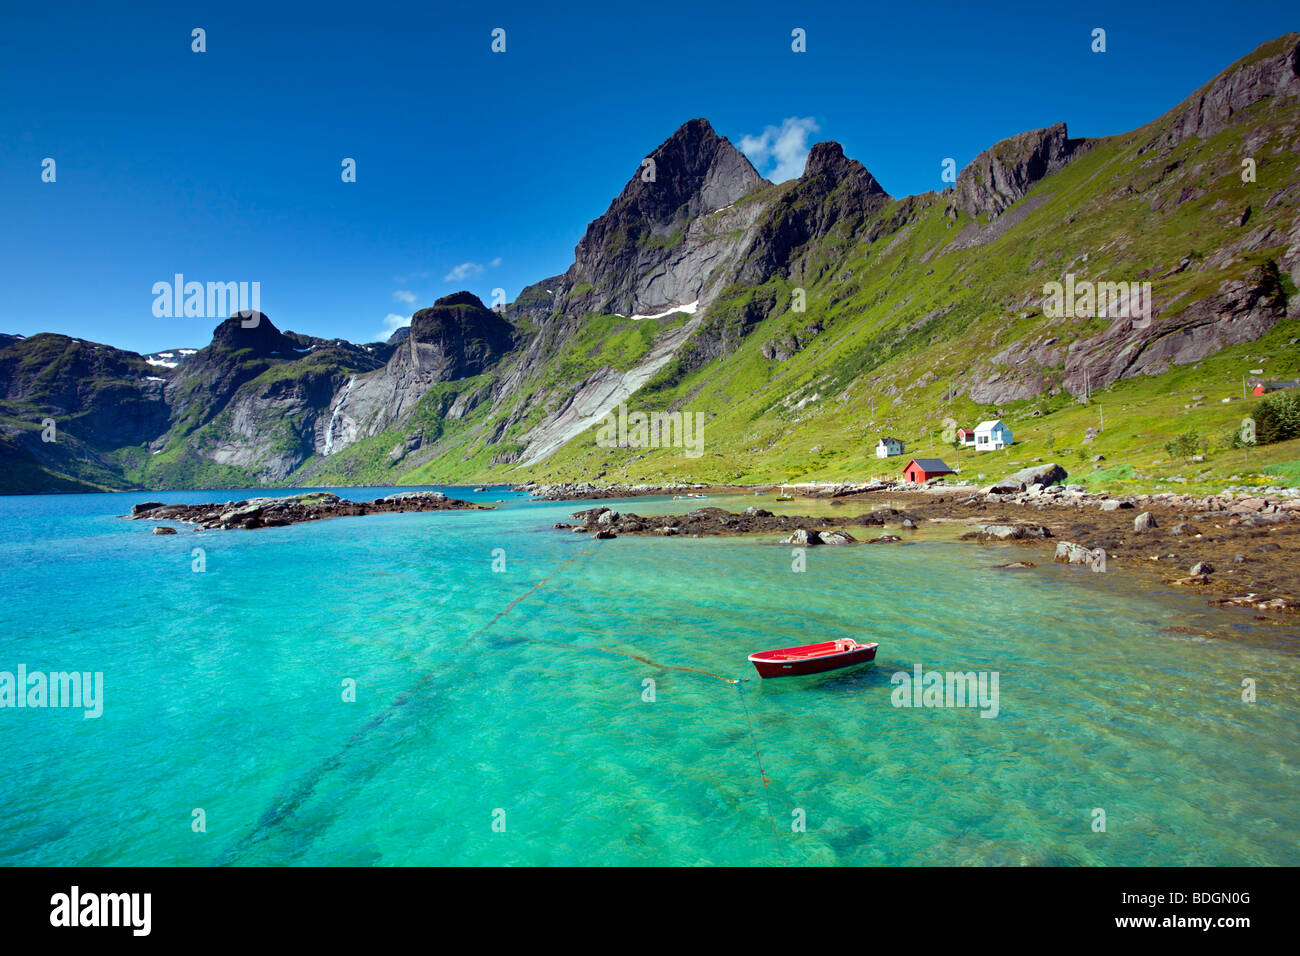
point(250, 330)
point(460, 298)
point(693, 171)
point(1006, 171)
point(828, 160)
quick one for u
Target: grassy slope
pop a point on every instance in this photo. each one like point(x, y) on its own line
point(899, 318)
point(871, 376)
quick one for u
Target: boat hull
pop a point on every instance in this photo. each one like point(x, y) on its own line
point(810, 659)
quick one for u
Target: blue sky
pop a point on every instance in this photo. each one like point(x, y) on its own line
point(479, 170)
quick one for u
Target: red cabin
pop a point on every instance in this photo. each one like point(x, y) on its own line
point(919, 470)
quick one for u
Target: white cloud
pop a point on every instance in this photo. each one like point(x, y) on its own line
point(784, 148)
point(466, 270)
point(495, 262)
point(392, 322)
point(405, 295)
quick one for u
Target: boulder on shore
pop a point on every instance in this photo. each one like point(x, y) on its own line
point(1050, 474)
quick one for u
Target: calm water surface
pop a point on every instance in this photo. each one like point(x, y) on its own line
point(223, 690)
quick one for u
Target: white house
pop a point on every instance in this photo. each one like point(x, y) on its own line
point(990, 436)
point(889, 447)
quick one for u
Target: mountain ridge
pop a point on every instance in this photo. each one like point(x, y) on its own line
point(715, 257)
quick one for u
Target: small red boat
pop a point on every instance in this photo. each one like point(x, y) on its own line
point(812, 658)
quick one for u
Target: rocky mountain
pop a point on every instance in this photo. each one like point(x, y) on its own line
point(801, 319)
point(458, 338)
point(1000, 176)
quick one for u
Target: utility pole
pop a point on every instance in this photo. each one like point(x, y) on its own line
point(1102, 413)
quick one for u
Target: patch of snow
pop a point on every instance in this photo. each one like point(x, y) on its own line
point(689, 309)
point(162, 363)
point(154, 378)
point(187, 351)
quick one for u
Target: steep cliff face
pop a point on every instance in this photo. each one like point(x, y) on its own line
point(1004, 173)
point(252, 401)
point(649, 250)
point(835, 195)
point(455, 339)
point(1271, 71)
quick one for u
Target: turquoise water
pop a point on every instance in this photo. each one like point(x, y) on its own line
point(223, 690)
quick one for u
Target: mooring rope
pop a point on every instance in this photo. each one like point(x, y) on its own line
point(758, 758)
point(636, 657)
point(283, 808)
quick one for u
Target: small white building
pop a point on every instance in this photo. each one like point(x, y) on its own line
point(990, 436)
point(889, 447)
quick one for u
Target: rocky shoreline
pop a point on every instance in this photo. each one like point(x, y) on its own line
point(295, 509)
point(1240, 550)
point(604, 522)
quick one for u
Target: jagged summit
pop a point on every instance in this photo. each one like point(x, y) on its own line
point(828, 160)
point(692, 173)
point(695, 171)
point(1006, 171)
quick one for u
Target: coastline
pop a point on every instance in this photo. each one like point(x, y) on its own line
point(1244, 549)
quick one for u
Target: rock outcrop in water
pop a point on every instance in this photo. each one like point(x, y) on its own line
point(704, 522)
point(277, 512)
